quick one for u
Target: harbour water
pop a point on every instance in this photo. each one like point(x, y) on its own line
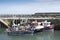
point(37, 36)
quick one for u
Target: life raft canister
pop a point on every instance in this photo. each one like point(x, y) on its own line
point(36, 22)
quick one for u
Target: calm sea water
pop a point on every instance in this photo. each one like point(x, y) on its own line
point(38, 36)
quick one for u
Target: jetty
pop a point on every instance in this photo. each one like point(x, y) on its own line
point(8, 19)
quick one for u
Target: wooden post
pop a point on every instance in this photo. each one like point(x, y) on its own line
point(0, 25)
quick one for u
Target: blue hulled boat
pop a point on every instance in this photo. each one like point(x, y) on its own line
point(18, 30)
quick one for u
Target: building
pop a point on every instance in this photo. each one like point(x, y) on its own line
point(47, 14)
point(50, 14)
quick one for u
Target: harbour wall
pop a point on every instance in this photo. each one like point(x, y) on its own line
point(56, 22)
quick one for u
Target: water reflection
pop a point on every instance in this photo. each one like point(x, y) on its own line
point(38, 36)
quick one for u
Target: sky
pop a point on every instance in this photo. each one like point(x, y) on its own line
point(28, 6)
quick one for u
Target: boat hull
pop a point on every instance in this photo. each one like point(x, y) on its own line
point(38, 30)
point(51, 28)
point(20, 32)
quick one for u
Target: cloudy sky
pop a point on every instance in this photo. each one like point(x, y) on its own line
point(28, 6)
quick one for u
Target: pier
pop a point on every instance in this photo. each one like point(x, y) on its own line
point(7, 19)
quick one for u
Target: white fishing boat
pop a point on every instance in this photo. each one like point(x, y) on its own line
point(40, 26)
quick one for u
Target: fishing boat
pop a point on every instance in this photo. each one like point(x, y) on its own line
point(19, 29)
point(48, 26)
point(38, 26)
point(43, 26)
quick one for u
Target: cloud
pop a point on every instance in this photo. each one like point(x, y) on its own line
point(30, 8)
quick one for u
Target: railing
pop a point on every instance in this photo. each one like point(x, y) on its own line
point(29, 17)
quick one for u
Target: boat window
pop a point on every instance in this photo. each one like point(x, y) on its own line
point(34, 24)
point(21, 24)
point(41, 24)
point(46, 24)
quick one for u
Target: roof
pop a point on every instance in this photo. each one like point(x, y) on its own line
point(48, 13)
